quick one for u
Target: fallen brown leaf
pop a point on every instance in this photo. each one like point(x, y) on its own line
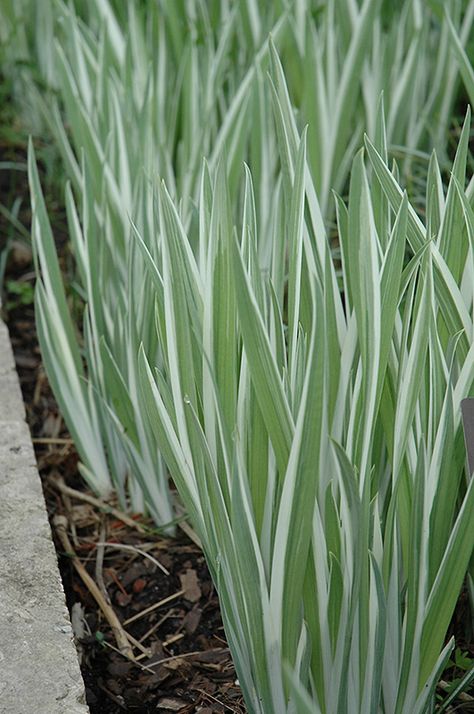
point(191, 620)
point(190, 585)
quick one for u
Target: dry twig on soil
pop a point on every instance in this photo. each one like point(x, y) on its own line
point(60, 523)
point(58, 483)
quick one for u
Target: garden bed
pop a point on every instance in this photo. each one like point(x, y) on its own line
point(145, 614)
point(181, 660)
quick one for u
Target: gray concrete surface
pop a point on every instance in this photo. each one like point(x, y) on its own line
point(39, 670)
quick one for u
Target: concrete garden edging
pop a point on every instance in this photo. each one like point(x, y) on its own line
point(39, 669)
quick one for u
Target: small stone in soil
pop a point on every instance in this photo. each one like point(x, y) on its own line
point(171, 704)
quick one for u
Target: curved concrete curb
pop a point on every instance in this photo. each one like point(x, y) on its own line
point(39, 670)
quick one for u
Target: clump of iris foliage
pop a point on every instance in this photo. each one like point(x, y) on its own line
point(304, 400)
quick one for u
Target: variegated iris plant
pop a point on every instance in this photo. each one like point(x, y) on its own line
point(147, 90)
point(307, 407)
point(313, 427)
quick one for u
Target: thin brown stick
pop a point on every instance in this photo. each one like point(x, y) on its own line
point(209, 696)
point(184, 525)
point(153, 607)
point(58, 483)
point(135, 661)
point(185, 655)
point(112, 696)
point(462, 696)
point(174, 638)
point(51, 440)
point(134, 549)
point(60, 523)
point(153, 629)
point(68, 506)
point(191, 533)
point(136, 643)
